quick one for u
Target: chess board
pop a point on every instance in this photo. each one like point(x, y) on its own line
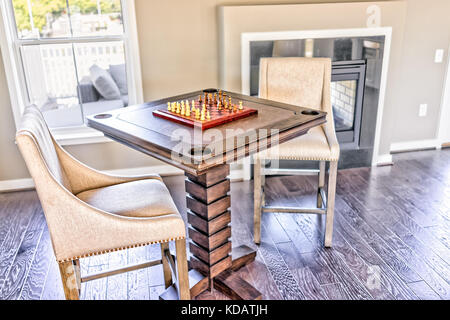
point(217, 117)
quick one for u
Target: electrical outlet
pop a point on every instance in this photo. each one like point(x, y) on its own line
point(439, 56)
point(423, 110)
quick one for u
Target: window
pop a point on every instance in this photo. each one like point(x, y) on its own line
point(59, 48)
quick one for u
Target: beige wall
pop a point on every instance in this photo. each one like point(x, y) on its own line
point(179, 52)
point(179, 43)
point(427, 28)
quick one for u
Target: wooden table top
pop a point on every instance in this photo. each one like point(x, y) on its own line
point(197, 150)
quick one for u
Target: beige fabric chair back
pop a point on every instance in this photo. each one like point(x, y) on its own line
point(34, 138)
point(299, 81)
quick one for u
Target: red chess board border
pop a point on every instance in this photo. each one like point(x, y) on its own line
point(216, 119)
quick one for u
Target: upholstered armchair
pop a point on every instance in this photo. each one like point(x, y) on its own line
point(90, 213)
point(304, 82)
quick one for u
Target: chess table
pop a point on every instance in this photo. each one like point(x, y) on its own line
point(205, 157)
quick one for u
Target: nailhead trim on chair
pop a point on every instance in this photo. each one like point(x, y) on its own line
point(117, 249)
point(302, 159)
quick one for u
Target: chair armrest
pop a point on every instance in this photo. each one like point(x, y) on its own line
point(328, 127)
point(84, 178)
point(333, 143)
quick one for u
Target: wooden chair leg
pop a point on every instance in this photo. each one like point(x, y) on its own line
point(76, 265)
point(69, 280)
point(330, 203)
point(166, 267)
point(263, 184)
point(321, 183)
point(257, 201)
point(182, 267)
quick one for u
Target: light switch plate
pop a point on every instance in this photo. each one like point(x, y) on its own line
point(439, 56)
point(423, 110)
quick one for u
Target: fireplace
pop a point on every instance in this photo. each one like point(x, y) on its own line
point(355, 88)
point(347, 93)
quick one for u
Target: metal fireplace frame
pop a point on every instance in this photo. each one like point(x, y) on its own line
point(351, 70)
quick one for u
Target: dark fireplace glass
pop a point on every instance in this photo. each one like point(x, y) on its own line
point(343, 100)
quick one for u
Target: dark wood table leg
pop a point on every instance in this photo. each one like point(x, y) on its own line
point(209, 216)
point(208, 202)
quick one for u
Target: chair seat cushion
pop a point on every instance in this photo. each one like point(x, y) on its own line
point(310, 146)
point(142, 198)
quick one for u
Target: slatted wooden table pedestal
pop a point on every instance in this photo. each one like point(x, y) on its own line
point(209, 217)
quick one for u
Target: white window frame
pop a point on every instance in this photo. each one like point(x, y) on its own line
point(15, 76)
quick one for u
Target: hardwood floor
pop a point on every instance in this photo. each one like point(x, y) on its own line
point(391, 240)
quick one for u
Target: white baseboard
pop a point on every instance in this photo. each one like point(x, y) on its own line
point(162, 170)
point(16, 184)
point(415, 145)
point(237, 175)
point(383, 160)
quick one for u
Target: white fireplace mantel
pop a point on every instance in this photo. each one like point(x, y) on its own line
point(248, 37)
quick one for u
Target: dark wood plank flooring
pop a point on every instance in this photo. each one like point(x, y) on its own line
point(391, 240)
